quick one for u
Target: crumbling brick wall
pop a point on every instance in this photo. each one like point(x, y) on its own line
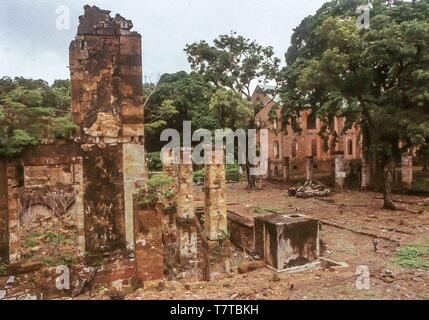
point(34, 189)
point(106, 81)
point(3, 214)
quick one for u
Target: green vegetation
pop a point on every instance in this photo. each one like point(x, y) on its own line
point(31, 240)
point(374, 77)
point(55, 238)
point(265, 210)
point(30, 111)
point(159, 180)
point(199, 176)
point(232, 174)
point(150, 195)
point(414, 256)
point(176, 98)
point(154, 161)
point(54, 261)
point(3, 269)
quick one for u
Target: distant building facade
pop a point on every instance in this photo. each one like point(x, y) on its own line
point(289, 151)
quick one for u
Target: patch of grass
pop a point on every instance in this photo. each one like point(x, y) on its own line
point(415, 256)
point(159, 180)
point(52, 237)
point(3, 269)
point(54, 261)
point(265, 210)
point(31, 240)
point(199, 176)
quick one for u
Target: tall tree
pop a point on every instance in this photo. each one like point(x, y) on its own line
point(176, 98)
point(236, 63)
point(376, 77)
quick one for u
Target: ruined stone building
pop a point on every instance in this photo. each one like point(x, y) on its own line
point(289, 151)
point(96, 175)
point(80, 198)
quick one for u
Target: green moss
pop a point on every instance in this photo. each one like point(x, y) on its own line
point(52, 237)
point(31, 241)
point(3, 269)
point(415, 256)
point(158, 181)
point(265, 210)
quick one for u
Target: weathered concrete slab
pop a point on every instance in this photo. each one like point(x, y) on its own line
point(287, 241)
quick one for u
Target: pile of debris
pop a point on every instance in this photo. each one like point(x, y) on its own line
point(310, 189)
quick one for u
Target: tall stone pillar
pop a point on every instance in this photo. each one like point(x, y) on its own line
point(365, 174)
point(79, 206)
point(286, 170)
point(107, 108)
point(407, 170)
point(215, 214)
point(185, 185)
point(309, 163)
point(13, 213)
point(4, 228)
point(188, 236)
point(215, 201)
point(170, 169)
point(340, 174)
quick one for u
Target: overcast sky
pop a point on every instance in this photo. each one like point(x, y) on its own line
point(32, 46)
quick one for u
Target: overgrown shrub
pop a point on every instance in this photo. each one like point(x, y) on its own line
point(232, 172)
point(154, 161)
point(150, 195)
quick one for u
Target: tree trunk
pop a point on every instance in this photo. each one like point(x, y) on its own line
point(251, 180)
point(425, 165)
point(388, 177)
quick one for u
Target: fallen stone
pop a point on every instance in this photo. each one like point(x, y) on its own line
point(24, 267)
point(276, 277)
point(250, 266)
point(195, 285)
point(245, 292)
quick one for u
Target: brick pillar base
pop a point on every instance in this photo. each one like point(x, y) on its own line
point(339, 171)
point(286, 170)
point(148, 244)
point(407, 170)
point(309, 162)
point(365, 174)
point(219, 253)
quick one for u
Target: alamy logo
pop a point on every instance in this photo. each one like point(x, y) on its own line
point(62, 282)
point(63, 18)
point(252, 147)
point(362, 278)
point(362, 21)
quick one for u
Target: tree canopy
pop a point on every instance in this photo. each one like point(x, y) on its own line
point(375, 77)
point(176, 98)
point(31, 112)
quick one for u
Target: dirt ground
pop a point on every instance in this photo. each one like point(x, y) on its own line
point(355, 230)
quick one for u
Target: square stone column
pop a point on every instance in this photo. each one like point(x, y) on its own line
point(309, 163)
point(286, 170)
point(407, 170)
point(79, 207)
point(107, 109)
point(365, 174)
point(188, 236)
point(13, 213)
point(215, 215)
point(340, 174)
point(215, 203)
point(4, 228)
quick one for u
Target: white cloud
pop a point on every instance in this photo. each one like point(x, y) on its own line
point(31, 46)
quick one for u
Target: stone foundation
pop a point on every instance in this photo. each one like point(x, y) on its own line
point(287, 242)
